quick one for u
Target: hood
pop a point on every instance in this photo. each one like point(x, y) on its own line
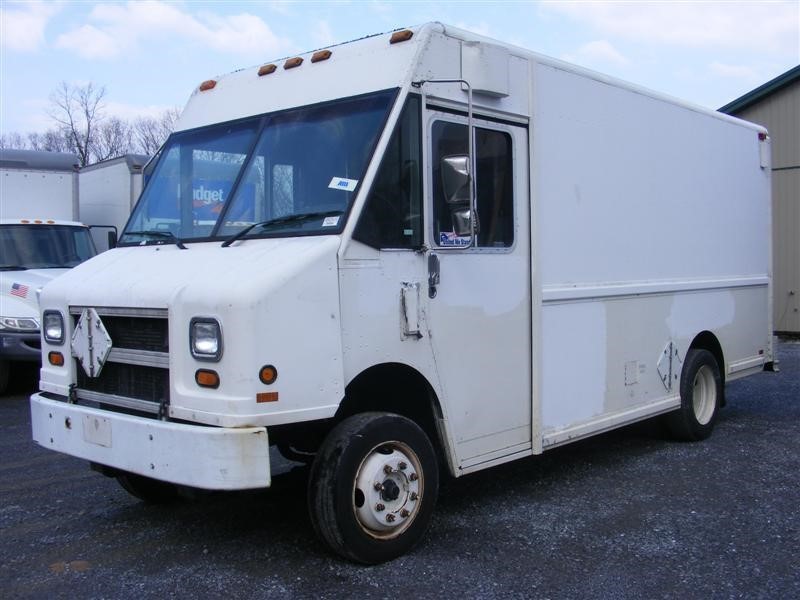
point(19, 291)
point(158, 276)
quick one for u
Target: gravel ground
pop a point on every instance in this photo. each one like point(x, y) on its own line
point(628, 514)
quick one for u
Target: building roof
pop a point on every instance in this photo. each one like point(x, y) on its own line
point(761, 92)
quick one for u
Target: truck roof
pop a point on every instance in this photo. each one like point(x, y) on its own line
point(34, 160)
point(135, 163)
point(370, 64)
point(40, 221)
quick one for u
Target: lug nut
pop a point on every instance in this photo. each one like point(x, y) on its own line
point(414, 495)
point(402, 466)
point(404, 513)
point(387, 469)
point(378, 486)
point(379, 507)
point(413, 477)
point(390, 518)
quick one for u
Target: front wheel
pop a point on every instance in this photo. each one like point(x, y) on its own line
point(373, 487)
point(701, 394)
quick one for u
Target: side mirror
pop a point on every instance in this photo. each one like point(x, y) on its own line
point(456, 183)
point(112, 239)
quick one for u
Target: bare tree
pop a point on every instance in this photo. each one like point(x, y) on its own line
point(77, 110)
point(52, 140)
point(12, 140)
point(83, 129)
point(150, 132)
point(112, 138)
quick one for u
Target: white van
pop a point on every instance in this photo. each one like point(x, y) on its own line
point(417, 252)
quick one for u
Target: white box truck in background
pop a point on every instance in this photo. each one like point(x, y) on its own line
point(420, 250)
point(40, 238)
point(108, 192)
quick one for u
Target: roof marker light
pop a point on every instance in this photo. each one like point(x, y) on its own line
point(293, 62)
point(401, 36)
point(208, 84)
point(266, 69)
point(321, 55)
point(762, 136)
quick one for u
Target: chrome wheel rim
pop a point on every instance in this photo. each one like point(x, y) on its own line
point(704, 395)
point(387, 492)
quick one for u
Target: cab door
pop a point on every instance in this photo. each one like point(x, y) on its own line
point(478, 314)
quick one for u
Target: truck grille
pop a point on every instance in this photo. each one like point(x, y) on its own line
point(135, 376)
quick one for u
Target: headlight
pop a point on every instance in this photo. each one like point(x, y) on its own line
point(53, 327)
point(205, 339)
point(19, 324)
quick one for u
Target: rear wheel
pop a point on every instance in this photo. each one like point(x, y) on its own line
point(373, 487)
point(4, 368)
point(701, 393)
point(149, 490)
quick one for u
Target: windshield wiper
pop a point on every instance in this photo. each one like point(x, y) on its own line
point(13, 268)
point(164, 234)
point(284, 219)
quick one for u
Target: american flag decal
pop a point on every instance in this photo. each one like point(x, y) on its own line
point(19, 290)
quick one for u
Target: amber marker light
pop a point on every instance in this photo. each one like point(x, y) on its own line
point(268, 374)
point(321, 55)
point(207, 378)
point(401, 36)
point(56, 359)
point(208, 84)
point(293, 62)
point(266, 69)
point(267, 397)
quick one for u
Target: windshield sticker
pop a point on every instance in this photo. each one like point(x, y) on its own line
point(340, 183)
point(330, 221)
point(449, 238)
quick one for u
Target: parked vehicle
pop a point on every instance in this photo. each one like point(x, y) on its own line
point(40, 239)
point(420, 251)
point(108, 192)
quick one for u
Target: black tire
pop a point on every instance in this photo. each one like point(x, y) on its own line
point(355, 517)
point(148, 490)
point(4, 368)
point(701, 397)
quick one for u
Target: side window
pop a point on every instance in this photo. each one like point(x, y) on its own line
point(494, 224)
point(392, 216)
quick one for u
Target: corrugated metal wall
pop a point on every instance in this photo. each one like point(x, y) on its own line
point(780, 113)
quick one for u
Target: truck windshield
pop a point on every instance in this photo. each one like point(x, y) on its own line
point(44, 246)
point(294, 172)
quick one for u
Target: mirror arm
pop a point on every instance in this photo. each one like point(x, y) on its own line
point(470, 150)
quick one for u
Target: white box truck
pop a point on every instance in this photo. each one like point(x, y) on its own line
point(108, 192)
point(40, 239)
point(417, 252)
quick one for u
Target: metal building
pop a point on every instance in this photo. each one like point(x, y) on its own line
point(776, 105)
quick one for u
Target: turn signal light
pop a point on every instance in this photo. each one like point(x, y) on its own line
point(268, 374)
point(207, 378)
point(56, 359)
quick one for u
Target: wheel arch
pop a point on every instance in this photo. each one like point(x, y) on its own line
point(401, 389)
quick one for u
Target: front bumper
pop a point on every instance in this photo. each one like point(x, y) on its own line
point(20, 346)
point(212, 458)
